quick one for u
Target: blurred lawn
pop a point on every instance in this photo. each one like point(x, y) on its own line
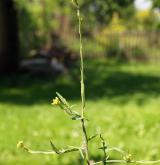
point(123, 102)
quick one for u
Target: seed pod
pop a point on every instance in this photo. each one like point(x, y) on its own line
point(75, 3)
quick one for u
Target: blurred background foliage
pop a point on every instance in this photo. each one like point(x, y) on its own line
point(39, 19)
point(122, 76)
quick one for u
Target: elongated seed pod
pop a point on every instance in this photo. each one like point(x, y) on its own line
point(75, 3)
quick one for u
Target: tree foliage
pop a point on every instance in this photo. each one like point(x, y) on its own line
point(9, 44)
point(102, 11)
point(156, 4)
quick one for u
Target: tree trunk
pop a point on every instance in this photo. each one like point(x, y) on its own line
point(8, 37)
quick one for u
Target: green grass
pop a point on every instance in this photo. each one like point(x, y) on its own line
point(123, 102)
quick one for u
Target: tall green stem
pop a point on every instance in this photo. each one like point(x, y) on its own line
point(82, 65)
point(85, 137)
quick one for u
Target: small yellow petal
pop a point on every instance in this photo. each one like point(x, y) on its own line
point(56, 101)
point(20, 144)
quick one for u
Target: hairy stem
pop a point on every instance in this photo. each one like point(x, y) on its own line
point(82, 65)
point(104, 149)
point(125, 162)
point(85, 137)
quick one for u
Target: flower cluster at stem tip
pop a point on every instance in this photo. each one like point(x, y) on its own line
point(56, 101)
point(20, 144)
point(128, 158)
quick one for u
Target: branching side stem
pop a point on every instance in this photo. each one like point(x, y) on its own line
point(125, 162)
point(104, 149)
point(76, 149)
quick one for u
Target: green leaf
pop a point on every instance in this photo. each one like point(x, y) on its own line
point(54, 148)
point(103, 148)
point(76, 117)
point(63, 100)
point(81, 152)
point(92, 137)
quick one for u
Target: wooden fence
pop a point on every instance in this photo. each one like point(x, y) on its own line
point(136, 45)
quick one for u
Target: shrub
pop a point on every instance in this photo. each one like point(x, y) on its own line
point(138, 53)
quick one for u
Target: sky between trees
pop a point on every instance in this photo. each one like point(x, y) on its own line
point(143, 4)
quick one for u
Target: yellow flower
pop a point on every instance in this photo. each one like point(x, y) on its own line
point(56, 101)
point(20, 144)
point(128, 158)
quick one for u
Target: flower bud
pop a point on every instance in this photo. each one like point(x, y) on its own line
point(56, 101)
point(75, 3)
point(20, 144)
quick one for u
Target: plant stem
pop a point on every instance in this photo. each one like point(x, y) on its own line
point(82, 65)
point(104, 149)
point(85, 137)
point(124, 162)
